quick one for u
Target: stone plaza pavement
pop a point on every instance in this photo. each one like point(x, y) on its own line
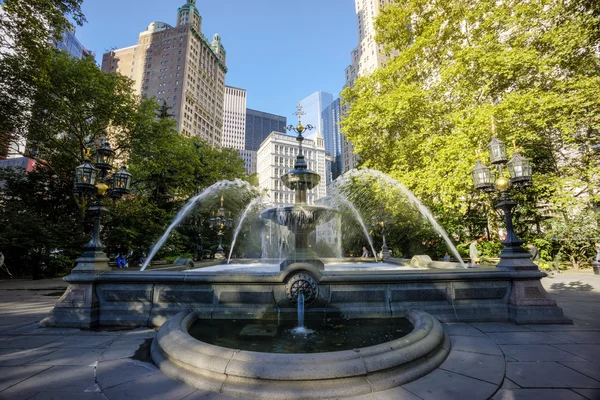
point(501, 361)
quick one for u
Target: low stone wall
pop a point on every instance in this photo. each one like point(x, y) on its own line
point(149, 298)
point(256, 375)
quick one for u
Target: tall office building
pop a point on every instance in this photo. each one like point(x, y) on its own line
point(180, 66)
point(234, 118)
point(277, 155)
point(366, 58)
point(322, 112)
point(259, 126)
point(313, 107)
point(249, 157)
point(72, 45)
point(333, 136)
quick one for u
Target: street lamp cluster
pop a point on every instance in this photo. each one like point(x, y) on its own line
point(221, 222)
point(93, 179)
point(513, 256)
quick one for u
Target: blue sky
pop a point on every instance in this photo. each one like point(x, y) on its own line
point(280, 51)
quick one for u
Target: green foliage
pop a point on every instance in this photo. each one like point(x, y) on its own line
point(26, 27)
point(72, 108)
point(533, 66)
point(37, 217)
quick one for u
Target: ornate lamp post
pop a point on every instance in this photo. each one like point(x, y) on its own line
point(93, 179)
point(513, 256)
point(220, 222)
point(381, 223)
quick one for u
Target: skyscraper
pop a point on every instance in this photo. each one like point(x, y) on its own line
point(234, 118)
point(72, 45)
point(333, 136)
point(180, 66)
point(322, 112)
point(313, 107)
point(259, 125)
point(366, 58)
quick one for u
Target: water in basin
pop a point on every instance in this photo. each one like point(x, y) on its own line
point(271, 337)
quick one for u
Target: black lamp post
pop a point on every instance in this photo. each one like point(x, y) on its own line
point(93, 179)
point(221, 222)
point(513, 256)
point(381, 223)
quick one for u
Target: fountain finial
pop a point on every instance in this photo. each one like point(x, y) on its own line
point(299, 129)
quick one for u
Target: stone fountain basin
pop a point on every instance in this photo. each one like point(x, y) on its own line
point(259, 375)
point(299, 216)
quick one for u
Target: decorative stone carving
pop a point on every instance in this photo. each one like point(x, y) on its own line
point(305, 283)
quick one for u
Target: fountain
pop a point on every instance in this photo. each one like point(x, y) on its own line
point(212, 319)
point(300, 218)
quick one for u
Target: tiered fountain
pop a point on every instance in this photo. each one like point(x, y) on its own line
point(244, 304)
point(300, 218)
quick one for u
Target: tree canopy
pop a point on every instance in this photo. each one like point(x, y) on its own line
point(426, 116)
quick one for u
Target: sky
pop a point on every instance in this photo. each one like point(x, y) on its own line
point(280, 51)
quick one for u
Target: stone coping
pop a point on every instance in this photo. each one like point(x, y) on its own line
point(259, 375)
point(324, 277)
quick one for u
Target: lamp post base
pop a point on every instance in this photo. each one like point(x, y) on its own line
point(515, 258)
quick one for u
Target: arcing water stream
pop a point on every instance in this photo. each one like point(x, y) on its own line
point(187, 208)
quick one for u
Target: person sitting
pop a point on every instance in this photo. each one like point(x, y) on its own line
point(446, 257)
point(142, 259)
point(121, 262)
point(365, 252)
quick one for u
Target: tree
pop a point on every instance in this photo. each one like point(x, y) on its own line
point(532, 66)
point(26, 28)
point(168, 169)
point(37, 217)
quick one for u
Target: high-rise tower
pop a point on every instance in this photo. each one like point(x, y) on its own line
point(366, 58)
point(234, 118)
point(181, 67)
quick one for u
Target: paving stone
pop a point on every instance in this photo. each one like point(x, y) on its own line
point(121, 349)
point(69, 356)
point(590, 394)
point(547, 375)
point(203, 395)
point(579, 337)
point(528, 338)
point(140, 333)
point(27, 342)
point(590, 369)
point(498, 338)
point(153, 387)
point(461, 329)
point(448, 385)
point(10, 376)
point(85, 342)
point(536, 394)
point(480, 366)
point(19, 357)
point(590, 352)
point(481, 345)
point(508, 384)
point(113, 373)
point(59, 379)
point(397, 393)
point(537, 352)
point(10, 394)
point(67, 396)
point(499, 327)
point(34, 329)
point(581, 326)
